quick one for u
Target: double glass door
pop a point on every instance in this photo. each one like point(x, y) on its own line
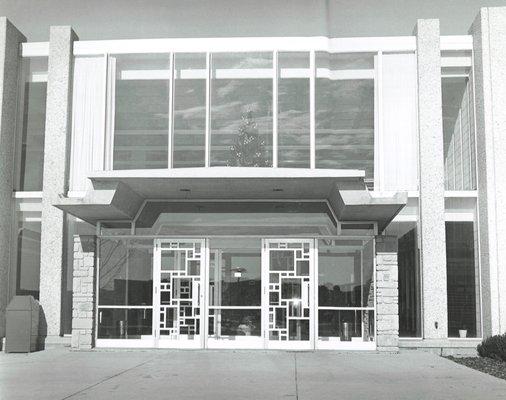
point(226, 293)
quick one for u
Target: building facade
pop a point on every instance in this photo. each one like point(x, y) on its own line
point(266, 192)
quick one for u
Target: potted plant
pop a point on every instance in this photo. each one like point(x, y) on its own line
point(463, 332)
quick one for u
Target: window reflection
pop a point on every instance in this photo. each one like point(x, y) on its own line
point(189, 110)
point(141, 111)
point(241, 109)
point(293, 110)
point(345, 112)
point(32, 123)
point(125, 273)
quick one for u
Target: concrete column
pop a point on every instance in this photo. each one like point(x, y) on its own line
point(56, 171)
point(83, 296)
point(387, 294)
point(489, 42)
point(432, 206)
point(10, 39)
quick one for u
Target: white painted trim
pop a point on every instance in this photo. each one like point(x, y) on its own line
point(207, 140)
point(27, 195)
point(34, 49)
point(312, 110)
point(228, 172)
point(456, 42)
point(461, 193)
point(452, 62)
point(248, 44)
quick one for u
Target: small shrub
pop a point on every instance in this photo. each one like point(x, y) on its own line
point(493, 347)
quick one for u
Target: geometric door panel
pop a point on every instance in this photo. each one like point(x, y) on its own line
point(178, 292)
point(289, 277)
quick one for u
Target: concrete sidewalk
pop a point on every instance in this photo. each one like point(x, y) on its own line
point(161, 374)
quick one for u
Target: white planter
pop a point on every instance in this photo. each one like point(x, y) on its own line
point(463, 333)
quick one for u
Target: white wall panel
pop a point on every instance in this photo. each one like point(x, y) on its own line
point(398, 138)
point(87, 120)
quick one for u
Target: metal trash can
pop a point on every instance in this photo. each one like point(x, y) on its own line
point(22, 325)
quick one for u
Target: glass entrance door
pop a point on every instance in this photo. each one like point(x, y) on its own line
point(288, 276)
point(178, 293)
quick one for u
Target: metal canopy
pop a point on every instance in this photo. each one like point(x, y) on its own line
point(118, 195)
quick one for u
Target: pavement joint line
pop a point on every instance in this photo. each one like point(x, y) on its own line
point(296, 383)
point(107, 379)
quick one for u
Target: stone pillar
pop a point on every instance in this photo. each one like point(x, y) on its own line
point(489, 45)
point(10, 39)
point(387, 294)
point(83, 296)
point(431, 167)
point(56, 171)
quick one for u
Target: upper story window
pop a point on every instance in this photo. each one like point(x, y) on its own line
point(458, 122)
point(345, 111)
point(31, 124)
point(292, 109)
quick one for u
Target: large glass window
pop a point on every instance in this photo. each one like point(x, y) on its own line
point(346, 290)
point(235, 290)
point(189, 110)
point(458, 133)
point(32, 122)
point(345, 111)
point(293, 110)
point(241, 109)
point(125, 299)
point(464, 319)
point(141, 110)
point(27, 256)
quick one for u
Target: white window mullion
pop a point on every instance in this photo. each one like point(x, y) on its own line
point(111, 95)
point(207, 149)
point(275, 110)
point(170, 143)
point(378, 125)
point(312, 109)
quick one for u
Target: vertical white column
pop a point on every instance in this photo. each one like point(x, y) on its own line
point(56, 173)
point(10, 39)
point(432, 207)
point(489, 46)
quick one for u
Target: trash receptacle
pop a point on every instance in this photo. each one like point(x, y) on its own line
point(22, 325)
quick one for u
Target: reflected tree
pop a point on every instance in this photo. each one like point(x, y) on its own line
point(248, 148)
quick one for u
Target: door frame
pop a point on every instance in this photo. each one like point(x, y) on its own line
point(174, 343)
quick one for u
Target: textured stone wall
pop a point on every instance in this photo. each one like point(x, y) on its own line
point(83, 297)
point(431, 156)
point(55, 180)
point(10, 38)
point(387, 294)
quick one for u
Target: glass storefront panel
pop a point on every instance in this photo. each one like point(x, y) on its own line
point(464, 317)
point(345, 273)
point(293, 110)
point(28, 254)
point(241, 109)
point(345, 111)
point(124, 323)
point(189, 110)
point(125, 272)
point(141, 110)
point(346, 291)
point(31, 125)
